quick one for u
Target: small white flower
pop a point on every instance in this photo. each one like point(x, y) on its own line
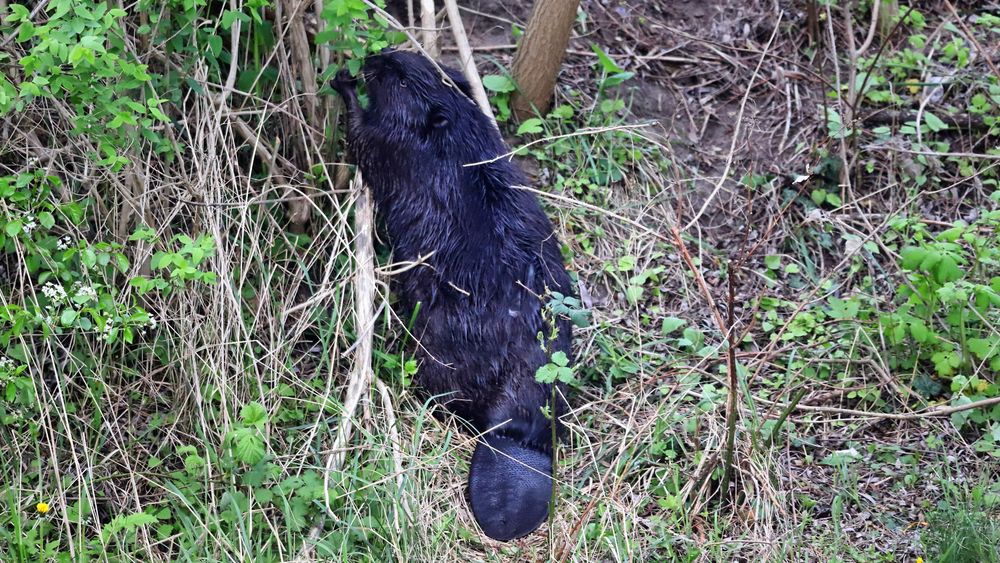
point(6, 363)
point(29, 224)
point(63, 243)
point(109, 325)
point(152, 321)
point(86, 291)
point(54, 292)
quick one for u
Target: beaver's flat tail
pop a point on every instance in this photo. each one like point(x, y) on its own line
point(510, 486)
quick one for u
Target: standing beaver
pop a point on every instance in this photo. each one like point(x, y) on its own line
point(487, 257)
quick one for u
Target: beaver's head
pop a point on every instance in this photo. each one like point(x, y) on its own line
point(408, 94)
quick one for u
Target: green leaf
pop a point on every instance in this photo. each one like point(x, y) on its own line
point(547, 373)
point(982, 347)
point(533, 125)
point(559, 358)
point(13, 228)
point(562, 112)
point(127, 523)
point(912, 257)
point(67, 317)
point(952, 234)
point(46, 219)
point(841, 457)
point(253, 413)
point(249, 447)
point(88, 257)
point(498, 83)
point(18, 13)
point(844, 308)
point(565, 375)
point(670, 324)
point(772, 261)
point(634, 293)
point(230, 16)
point(919, 330)
point(948, 270)
point(933, 122)
point(616, 79)
point(607, 64)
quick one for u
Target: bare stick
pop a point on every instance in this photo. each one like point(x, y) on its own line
point(937, 411)
point(429, 25)
point(468, 64)
point(732, 410)
point(364, 292)
point(394, 443)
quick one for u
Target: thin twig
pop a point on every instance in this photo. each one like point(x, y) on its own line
point(929, 413)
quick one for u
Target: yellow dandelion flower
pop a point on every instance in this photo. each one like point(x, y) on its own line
point(913, 85)
point(920, 559)
point(42, 507)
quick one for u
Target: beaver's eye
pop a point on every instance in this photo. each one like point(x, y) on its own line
point(402, 83)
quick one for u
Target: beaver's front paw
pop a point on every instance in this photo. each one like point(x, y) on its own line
point(344, 84)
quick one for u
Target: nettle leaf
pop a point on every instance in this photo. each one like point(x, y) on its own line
point(948, 270)
point(919, 331)
point(533, 125)
point(982, 347)
point(249, 446)
point(253, 413)
point(912, 256)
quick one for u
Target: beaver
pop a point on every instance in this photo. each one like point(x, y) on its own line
point(486, 259)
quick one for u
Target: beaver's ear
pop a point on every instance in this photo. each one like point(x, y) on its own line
point(438, 118)
point(459, 79)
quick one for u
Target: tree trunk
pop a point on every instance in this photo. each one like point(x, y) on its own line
point(540, 55)
point(888, 11)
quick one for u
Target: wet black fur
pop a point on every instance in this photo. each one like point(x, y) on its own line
point(492, 258)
